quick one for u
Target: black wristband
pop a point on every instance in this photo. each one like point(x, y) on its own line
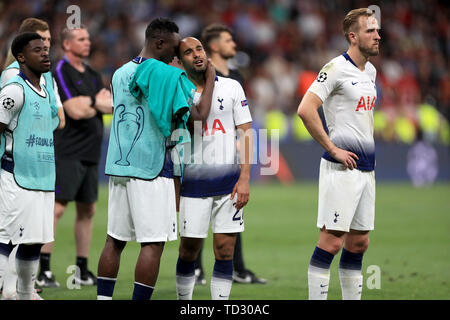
point(92, 101)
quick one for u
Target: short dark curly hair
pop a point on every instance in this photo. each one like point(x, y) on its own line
point(159, 27)
point(21, 42)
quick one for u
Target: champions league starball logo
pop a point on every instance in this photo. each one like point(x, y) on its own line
point(8, 103)
point(322, 77)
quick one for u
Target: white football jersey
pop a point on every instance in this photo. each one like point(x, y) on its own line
point(214, 167)
point(349, 95)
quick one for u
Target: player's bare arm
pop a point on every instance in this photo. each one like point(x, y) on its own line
point(177, 184)
point(79, 108)
point(200, 111)
point(62, 118)
point(307, 111)
point(103, 101)
point(242, 187)
point(3, 127)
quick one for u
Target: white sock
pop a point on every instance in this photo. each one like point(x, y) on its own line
point(103, 298)
point(351, 284)
point(185, 287)
point(318, 282)
point(10, 276)
point(26, 271)
point(220, 288)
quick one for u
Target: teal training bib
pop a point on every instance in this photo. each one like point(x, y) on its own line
point(49, 86)
point(136, 145)
point(33, 151)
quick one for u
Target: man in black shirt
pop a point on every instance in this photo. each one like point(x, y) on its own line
point(220, 47)
point(77, 148)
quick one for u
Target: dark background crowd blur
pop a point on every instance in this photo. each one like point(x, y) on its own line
point(281, 47)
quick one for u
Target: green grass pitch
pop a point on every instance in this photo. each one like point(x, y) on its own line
point(410, 246)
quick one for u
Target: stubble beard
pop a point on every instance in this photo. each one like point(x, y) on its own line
point(369, 52)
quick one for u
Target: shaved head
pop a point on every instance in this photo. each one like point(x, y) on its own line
point(185, 43)
point(192, 55)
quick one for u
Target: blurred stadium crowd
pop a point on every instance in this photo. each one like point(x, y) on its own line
point(281, 47)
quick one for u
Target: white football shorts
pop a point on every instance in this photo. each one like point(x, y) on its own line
point(142, 210)
point(197, 213)
point(346, 198)
point(26, 216)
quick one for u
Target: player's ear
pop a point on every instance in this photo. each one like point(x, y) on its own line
point(352, 36)
point(214, 46)
point(159, 44)
point(65, 45)
point(21, 58)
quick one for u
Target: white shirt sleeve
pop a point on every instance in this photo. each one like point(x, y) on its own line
point(7, 75)
point(11, 102)
point(55, 90)
point(241, 112)
point(326, 81)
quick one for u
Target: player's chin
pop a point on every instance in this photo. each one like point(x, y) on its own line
point(201, 69)
point(376, 50)
point(43, 68)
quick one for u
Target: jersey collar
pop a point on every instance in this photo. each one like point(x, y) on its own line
point(139, 59)
point(347, 57)
point(23, 76)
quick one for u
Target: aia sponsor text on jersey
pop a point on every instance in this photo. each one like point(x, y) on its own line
point(366, 105)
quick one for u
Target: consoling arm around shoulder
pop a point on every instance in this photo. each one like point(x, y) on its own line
point(200, 112)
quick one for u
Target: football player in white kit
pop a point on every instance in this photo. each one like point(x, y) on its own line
point(40, 27)
point(27, 174)
point(346, 88)
point(215, 187)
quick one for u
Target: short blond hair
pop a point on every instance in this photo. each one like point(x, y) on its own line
point(27, 25)
point(351, 20)
point(67, 34)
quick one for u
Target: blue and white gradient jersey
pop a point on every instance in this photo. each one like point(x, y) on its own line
point(214, 166)
point(348, 95)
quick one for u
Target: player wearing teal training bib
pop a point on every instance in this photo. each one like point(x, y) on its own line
point(27, 175)
point(150, 99)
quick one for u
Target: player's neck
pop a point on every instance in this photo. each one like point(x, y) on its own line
point(198, 79)
point(32, 76)
point(220, 64)
point(75, 61)
point(358, 58)
point(146, 54)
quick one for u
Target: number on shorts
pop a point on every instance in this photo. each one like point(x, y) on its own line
point(235, 218)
